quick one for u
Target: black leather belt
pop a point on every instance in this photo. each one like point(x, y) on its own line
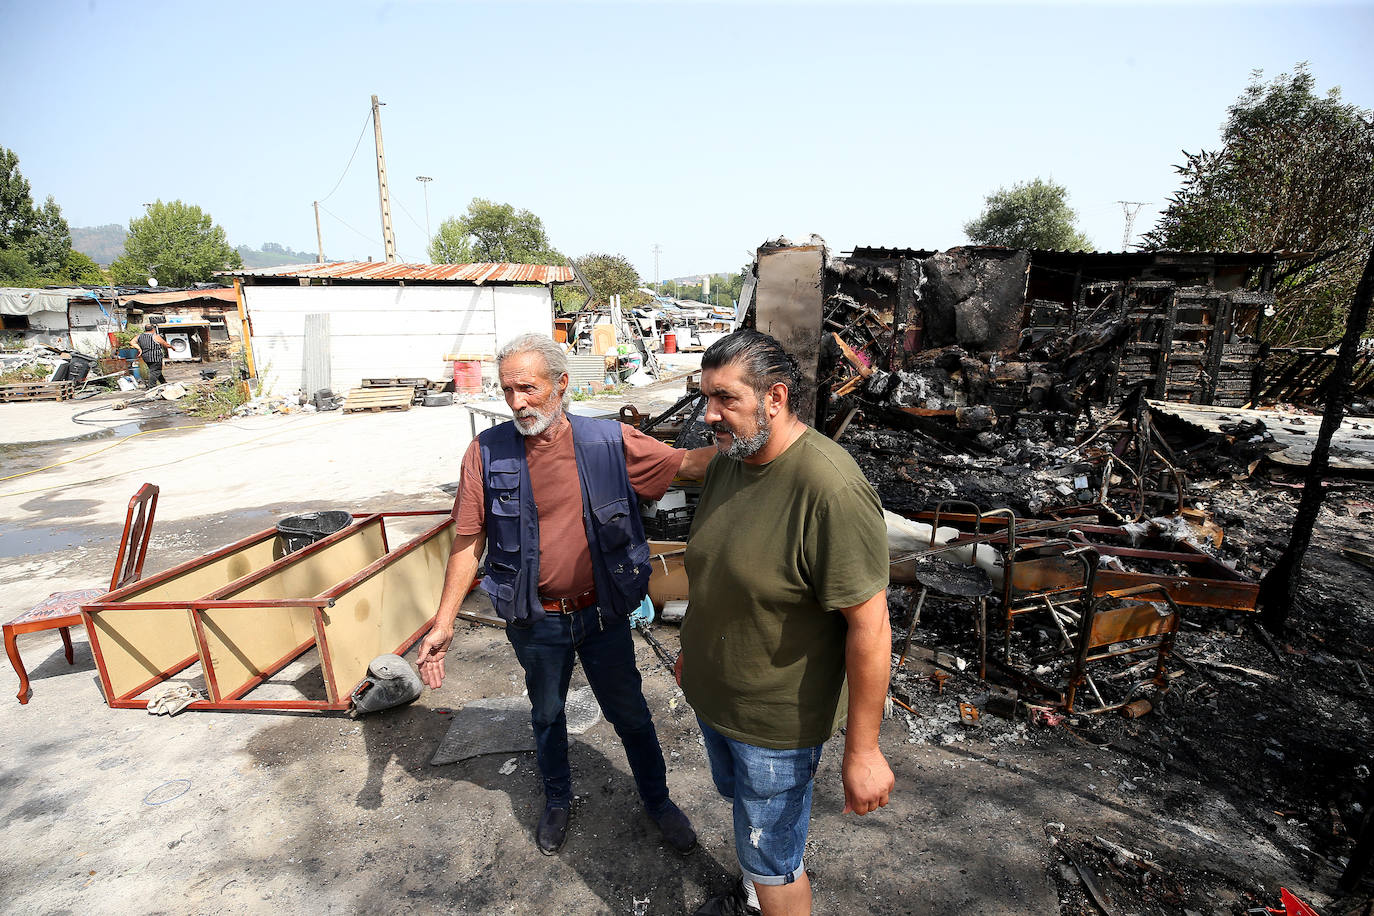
point(569, 605)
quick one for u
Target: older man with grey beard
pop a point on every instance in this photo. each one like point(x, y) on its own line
point(553, 498)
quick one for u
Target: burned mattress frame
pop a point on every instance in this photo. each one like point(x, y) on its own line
point(1206, 582)
point(244, 613)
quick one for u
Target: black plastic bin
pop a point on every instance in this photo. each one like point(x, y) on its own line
point(80, 367)
point(299, 531)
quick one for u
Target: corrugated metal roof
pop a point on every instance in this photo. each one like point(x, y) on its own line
point(476, 274)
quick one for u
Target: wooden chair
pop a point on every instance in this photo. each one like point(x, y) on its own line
point(61, 610)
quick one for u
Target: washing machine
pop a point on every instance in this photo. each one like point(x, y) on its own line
point(178, 346)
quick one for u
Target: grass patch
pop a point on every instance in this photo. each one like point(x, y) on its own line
point(21, 375)
point(215, 400)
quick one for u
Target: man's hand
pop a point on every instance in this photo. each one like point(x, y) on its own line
point(867, 781)
point(677, 669)
point(433, 648)
point(458, 575)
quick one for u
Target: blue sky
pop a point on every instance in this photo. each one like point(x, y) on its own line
point(706, 128)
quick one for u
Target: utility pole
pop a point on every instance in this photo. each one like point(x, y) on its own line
point(424, 183)
point(388, 237)
point(1129, 208)
point(319, 239)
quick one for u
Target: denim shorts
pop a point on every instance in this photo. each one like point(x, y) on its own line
point(771, 791)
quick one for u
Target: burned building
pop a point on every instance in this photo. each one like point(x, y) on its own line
point(1024, 333)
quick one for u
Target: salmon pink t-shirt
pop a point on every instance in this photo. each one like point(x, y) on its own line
point(565, 561)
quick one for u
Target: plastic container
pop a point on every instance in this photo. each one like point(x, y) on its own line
point(669, 343)
point(80, 367)
point(299, 531)
point(129, 353)
point(467, 375)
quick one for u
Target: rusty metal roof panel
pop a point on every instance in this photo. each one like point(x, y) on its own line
point(381, 271)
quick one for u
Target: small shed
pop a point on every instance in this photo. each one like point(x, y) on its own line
point(216, 307)
point(68, 318)
point(332, 325)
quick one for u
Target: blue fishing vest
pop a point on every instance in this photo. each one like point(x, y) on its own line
point(610, 513)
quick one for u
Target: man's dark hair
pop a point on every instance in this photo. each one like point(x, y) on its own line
point(763, 360)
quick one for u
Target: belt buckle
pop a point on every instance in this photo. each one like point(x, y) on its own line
point(567, 605)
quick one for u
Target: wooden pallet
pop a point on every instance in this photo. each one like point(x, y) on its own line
point(377, 399)
point(396, 383)
point(37, 391)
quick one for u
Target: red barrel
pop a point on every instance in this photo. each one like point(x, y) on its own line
point(467, 375)
point(669, 343)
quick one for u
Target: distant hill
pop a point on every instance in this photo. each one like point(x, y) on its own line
point(272, 254)
point(101, 244)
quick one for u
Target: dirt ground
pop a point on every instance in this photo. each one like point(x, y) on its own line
point(1236, 784)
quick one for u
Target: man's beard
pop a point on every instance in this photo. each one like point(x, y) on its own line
point(542, 421)
point(747, 446)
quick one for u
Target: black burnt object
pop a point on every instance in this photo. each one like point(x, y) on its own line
point(299, 531)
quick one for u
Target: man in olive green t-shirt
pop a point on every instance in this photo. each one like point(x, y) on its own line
point(788, 567)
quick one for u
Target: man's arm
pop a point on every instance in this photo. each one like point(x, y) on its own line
point(462, 566)
point(695, 461)
point(867, 657)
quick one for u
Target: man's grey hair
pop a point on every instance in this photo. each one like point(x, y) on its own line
point(555, 361)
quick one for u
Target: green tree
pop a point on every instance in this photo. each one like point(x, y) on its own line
point(491, 233)
point(608, 274)
point(50, 241)
point(15, 269)
point(1295, 172)
point(178, 244)
point(16, 203)
point(78, 269)
point(1034, 214)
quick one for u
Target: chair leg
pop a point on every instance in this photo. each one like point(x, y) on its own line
point(12, 650)
point(67, 644)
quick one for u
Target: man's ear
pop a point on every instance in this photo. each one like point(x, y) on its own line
point(777, 398)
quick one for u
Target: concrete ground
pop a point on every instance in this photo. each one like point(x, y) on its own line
point(117, 811)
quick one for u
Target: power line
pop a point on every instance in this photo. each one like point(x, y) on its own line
point(370, 239)
point(350, 158)
point(407, 213)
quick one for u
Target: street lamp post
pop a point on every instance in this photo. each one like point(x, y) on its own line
point(424, 183)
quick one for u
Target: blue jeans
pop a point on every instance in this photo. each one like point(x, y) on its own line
point(771, 791)
point(545, 650)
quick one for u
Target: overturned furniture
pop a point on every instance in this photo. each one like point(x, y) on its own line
point(244, 612)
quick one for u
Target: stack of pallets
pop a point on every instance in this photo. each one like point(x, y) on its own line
point(378, 399)
point(37, 391)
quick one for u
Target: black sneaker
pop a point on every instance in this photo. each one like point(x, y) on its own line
point(676, 829)
point(735, 903)
point(552, 830)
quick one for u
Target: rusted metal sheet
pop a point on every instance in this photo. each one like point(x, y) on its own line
point(476, 274)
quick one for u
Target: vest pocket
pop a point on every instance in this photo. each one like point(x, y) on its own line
point(613, 525)
point(503, 507)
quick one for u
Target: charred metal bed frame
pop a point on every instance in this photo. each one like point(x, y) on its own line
point(1209, 583)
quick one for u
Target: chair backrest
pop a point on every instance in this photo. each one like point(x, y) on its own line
point(133, 544)
point(1143, 611)
point(1048, 568)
